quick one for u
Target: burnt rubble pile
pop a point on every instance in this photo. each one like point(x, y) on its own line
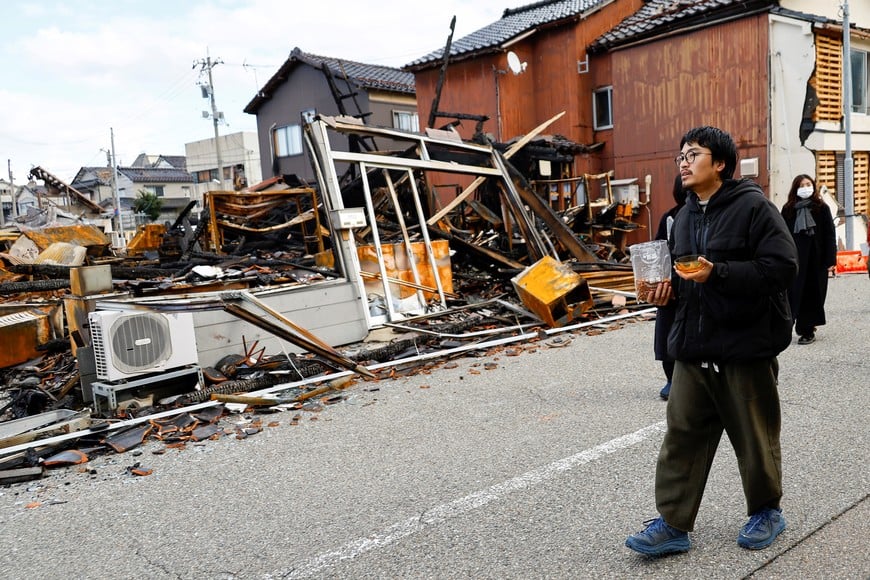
point(283, 296)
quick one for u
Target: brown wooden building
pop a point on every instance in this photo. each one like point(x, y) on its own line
point(549, 40)
point(717, 75)
point(633, 76)
point(769, 74)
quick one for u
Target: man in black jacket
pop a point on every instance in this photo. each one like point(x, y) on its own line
point(732, 321)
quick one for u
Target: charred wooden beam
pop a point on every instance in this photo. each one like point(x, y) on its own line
point(483, 256)
point(295, 336)
point(543, 210)
point(433, 112)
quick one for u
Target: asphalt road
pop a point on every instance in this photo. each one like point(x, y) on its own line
point(537, 468)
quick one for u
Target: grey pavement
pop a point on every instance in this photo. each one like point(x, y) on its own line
point(538, 468)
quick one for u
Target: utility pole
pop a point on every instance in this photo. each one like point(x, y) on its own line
point(12, 191)
point(119, 223)
point(12, 186)
point(206, 65)
point(848, 163)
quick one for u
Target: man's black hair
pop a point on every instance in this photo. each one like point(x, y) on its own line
point(720, 144)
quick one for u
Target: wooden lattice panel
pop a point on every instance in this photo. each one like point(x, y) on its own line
point(828, 80)
point(862, 181)
point(826, 171)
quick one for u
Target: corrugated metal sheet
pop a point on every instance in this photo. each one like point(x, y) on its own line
point(63, 254)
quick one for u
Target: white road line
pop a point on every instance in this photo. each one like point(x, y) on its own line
point(465, 504)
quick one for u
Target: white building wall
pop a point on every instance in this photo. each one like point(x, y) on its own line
point(859, 10)
point(792, 61)
point(236, 148)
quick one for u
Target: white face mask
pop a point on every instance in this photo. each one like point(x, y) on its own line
point(804, 192)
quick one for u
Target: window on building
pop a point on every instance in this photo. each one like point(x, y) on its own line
point(406, 121)
point(860, 86)
point(288, 140)
point(602, 111)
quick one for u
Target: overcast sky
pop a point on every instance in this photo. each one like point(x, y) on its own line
point(74, 69)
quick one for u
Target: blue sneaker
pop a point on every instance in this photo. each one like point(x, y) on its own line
point(659, 539)
point(666, 391)
point(762, 529)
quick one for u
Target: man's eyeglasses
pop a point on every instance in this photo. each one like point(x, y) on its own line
point(688, 157)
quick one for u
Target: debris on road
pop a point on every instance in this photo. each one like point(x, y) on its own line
point(282, 296)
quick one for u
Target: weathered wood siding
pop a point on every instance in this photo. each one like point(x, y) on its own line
point(715, 76)
point(549, 85)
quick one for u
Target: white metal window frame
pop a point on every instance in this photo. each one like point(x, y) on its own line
point(288, 140)
point(327, 175)
point(599, 122)
point(860, 82)
point(406, 120)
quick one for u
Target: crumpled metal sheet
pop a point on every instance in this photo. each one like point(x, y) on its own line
point(87, 236)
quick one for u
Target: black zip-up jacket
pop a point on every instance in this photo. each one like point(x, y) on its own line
point(741, 312)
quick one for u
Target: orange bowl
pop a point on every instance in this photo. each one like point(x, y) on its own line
point(688, 264)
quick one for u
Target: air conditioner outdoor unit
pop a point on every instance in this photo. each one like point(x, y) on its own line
point(129, 344)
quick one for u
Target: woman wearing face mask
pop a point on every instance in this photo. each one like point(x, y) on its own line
point(812, 226)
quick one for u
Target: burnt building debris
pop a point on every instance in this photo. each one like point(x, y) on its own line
point(284, 294)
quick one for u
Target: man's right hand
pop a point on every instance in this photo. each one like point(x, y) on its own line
point(661, 295)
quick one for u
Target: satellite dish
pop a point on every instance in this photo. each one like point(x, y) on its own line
point(514, 63)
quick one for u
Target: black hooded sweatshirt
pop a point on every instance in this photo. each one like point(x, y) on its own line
point(741, 313)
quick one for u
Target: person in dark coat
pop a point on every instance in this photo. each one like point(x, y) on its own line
point(731, 323)
point(665, 314)
point(812, 226)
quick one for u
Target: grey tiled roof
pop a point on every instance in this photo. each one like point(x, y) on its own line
point(659, 16)
point(156, 175)
point(145, 160)
point(177, 161)
point(367, 76)
point(89, 177)
point(92, 177)
point(514, 22)
point(370, 76)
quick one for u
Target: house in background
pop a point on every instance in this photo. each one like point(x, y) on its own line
point(768, 72)
point(240, 158)
point(307, 85)
point(164, 176)
point(523, 70)
point(16, 199)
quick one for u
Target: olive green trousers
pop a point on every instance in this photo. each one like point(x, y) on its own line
point(705, 399)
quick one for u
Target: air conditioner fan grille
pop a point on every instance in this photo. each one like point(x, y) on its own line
point(140, 342)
